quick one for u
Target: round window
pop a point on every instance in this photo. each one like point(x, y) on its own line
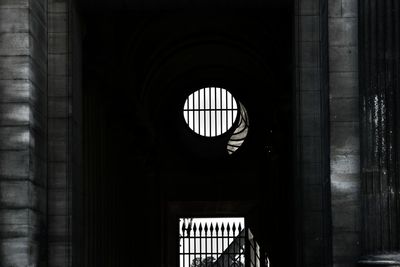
point(210, 111)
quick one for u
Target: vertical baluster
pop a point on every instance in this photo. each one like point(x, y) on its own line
point(228, 234)
point(206, 235)
point(234, 242)
point(212, 240)
point(223, 242)
point(189, 241)
point(241, 249)
point(182, 258)
point(217, 237)
point(200, 249)
point(194, 239)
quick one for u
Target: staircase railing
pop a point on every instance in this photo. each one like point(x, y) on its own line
point(219, 245)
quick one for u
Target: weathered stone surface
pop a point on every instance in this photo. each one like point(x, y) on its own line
point(15, 194)
point(311, 173)
point(57, 6)
point(16, 223)
point(14, 91)
point(14, 114)
point(57, 175)
point(58, 107)
point(58, 23)
point(14, 67)
point(346, 189)
point(57, 227)
point(347, 219)
point(346, 245)
point(345, 164)
point(308, 7)
point(23, 83)
point(14, 138)
point(58, 202)
point(345, 138)
point(14, 44)
point(343, 31)
point(15, 251)
point(57, 150)
point(344, 109)
point(309, 54)
point(58, 43)
point(309, 100)
point(311, 149)
point(349, 9)
point(311, 125)
point(14, 3)
point(334, 8)
point(343, 84)
point(309, 79)
point(312, 198)
point(58, 64)
point(343, 58)
point(14, 20)
point(309, 28)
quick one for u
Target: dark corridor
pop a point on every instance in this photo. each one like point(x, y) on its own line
point(142, 166)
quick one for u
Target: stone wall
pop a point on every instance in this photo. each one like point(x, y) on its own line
point(23, 112)
point(344, 131)
point(64, 159)
point(313, 190)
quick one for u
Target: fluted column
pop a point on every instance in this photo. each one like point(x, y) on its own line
point(380, 117)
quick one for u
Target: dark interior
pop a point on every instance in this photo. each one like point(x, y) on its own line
point(144, 168)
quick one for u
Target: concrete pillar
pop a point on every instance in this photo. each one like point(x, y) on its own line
point(380, 114)
point(23, 112)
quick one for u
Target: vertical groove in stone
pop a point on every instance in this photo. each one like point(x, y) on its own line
point(379, 31)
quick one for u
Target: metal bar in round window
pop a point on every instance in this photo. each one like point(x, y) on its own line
point(204, 113)
point(215, 106)
point(188, 120)
point(198, 98)
point(194, 116)
point(220, 98)
point(226, 106)
point(209, 94)
point(232, 118)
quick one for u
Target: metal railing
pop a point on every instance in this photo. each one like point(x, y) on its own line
point(218, 245)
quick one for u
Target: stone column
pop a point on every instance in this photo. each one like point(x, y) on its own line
point(23, 171)
point(380, 104)
point(344, 132)
point(312, 162)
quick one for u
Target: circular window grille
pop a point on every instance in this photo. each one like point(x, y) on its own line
point(210, 111)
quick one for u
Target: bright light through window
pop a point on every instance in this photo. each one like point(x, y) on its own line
point(210, 111)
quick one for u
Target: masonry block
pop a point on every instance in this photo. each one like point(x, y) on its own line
point(343, 58)
point(344, 109)
point(14, 91)
point(14, 20)
point(345, 164)
point(343, 84)
point(334, 8)
point(349, 8)
point(309, 28)
point(345, 138)
point(343, 31)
